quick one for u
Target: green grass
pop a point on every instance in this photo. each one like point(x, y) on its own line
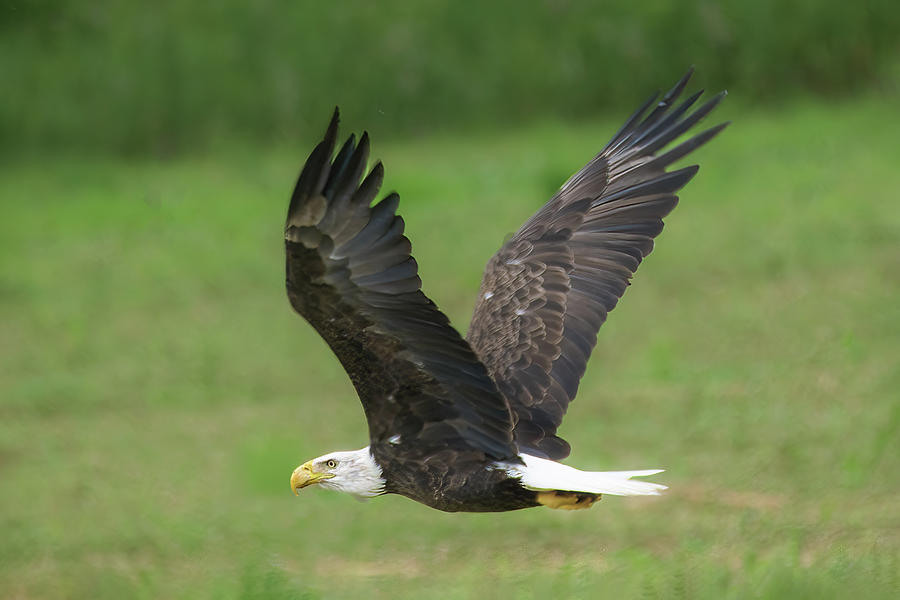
point(156, 390)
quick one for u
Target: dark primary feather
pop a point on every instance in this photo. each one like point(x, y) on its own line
point(547, 291)
point(350, 274)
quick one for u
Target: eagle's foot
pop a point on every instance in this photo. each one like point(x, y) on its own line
point(567, 500)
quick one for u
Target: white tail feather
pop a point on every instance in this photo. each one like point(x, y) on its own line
point(541, 474)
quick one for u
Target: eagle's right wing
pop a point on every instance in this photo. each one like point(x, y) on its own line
point(350, 274)
point(547, 291)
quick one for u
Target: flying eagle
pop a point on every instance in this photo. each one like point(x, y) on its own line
point(469, 424)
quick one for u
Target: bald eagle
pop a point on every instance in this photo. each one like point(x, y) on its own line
point(469, 424)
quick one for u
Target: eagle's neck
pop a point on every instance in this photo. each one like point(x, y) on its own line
point(358, 474)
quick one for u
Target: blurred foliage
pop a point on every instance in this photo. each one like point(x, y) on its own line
point(166, 76)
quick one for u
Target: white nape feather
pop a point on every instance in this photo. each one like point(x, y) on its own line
point(355, 472)
point(541, 474)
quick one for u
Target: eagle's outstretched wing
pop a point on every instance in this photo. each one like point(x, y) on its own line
point(547, 291)
point(350, 274)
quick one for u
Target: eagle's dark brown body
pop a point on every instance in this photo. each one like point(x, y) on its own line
point(451, 481)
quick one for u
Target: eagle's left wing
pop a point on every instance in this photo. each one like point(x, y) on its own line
point(350, 274)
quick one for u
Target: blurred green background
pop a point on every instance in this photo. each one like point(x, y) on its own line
point(156, 390)
point(175, 76)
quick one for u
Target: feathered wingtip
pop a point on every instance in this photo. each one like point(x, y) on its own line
point(315, 171)
point(671, 95)
point(654, 125)
point(654, 129)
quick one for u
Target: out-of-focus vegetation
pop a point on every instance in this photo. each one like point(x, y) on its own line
point(167, 76)
point(156, 390)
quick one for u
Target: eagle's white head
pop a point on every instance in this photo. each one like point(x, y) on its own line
point(354, 472)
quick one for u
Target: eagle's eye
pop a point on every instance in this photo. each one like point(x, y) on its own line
point(331, 464)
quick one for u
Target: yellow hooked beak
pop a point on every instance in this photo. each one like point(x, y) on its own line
point(305, 475)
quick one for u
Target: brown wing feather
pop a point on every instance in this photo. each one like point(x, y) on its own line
point(546, 292)
point(350, 274)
